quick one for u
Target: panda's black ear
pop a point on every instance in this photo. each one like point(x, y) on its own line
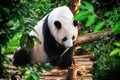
point(57, 24)
point(75, 23)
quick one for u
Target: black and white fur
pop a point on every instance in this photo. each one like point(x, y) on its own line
point(57, 31)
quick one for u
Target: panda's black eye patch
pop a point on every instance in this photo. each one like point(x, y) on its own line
point(75, 23)
point(73, 37)
point(64, 39)
point(57, 24)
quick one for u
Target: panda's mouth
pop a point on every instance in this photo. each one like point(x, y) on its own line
point(68, 43)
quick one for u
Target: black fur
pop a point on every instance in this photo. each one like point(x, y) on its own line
point(21, 57)
point(57, 24)
point(54, 49)
point(64, 39)
point(75, 23)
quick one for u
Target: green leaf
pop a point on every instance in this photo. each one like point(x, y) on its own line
point(117, 44)
point(115, 16)
point(99, 26)
point(27, 41)
point(109, 13)
point(30, 43)
point(29, 21)
point(89, 6)
point(82, 6)
point(35, 76)
point(118, 9)
point(27, 9)
point(32, 28)
point(47, 66)
point(115, 52)
point(6, 10)
point(91, 20)
point(28, 66)
point(82, 15)
point(110, 22)
point(22, 10)
point(36, 39)
point(28, 77)
point(116, 28)
point(23, 39)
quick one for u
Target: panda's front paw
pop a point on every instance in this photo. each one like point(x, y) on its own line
point(56, 61)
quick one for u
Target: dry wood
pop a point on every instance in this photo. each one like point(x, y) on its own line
point(86, 38)
point(73, 5)
point(72, 74)
point(55, 72)
point(83, 56)
point(77, 72)
point(52, 78)
point(83, 59)
point(86, 77)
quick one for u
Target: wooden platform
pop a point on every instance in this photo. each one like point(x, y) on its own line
point(80, 71)
point(84, 65)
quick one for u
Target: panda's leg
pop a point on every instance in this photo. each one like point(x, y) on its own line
point(21, 57)
point(67, 59)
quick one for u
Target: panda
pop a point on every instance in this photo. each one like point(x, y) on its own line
point(57, 32)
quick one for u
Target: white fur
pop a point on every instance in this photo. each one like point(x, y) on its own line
point(65, 16)
point(39, 55)
point(68, 43)
point(62, 14)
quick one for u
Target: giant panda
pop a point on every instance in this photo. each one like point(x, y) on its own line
point(57, 32)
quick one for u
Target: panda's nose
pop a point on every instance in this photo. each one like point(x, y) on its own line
point(68, 43)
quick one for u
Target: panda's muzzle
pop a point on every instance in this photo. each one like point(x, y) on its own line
point(68, 43)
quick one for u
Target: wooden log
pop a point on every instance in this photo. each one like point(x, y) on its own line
point(83, 59)
point(85, 77)
point(52, 78)
point(72, 74)
point(82, 56)
point(86, 38)
point(55, 72)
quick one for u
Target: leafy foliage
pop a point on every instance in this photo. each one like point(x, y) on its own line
point(9, 24)
point(116, 28)
point(18, 17)
point(99, 26)
point(116, 51)
point(110, 18)
point(34, 73)
point(87, 13)
point(106, 51)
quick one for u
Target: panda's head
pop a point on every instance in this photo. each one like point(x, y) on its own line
point(62, 26)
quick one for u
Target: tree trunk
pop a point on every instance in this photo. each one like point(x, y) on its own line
point(1, 67)
point(73, 5)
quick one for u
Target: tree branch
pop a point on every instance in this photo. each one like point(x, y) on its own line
point(90, 37)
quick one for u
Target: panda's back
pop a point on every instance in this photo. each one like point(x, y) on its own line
point(38, 30)
point(38, 55)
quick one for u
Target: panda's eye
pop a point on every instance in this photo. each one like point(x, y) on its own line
point(75, 23)
point(73, 37)
point(57, 24)
point(64, 39)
